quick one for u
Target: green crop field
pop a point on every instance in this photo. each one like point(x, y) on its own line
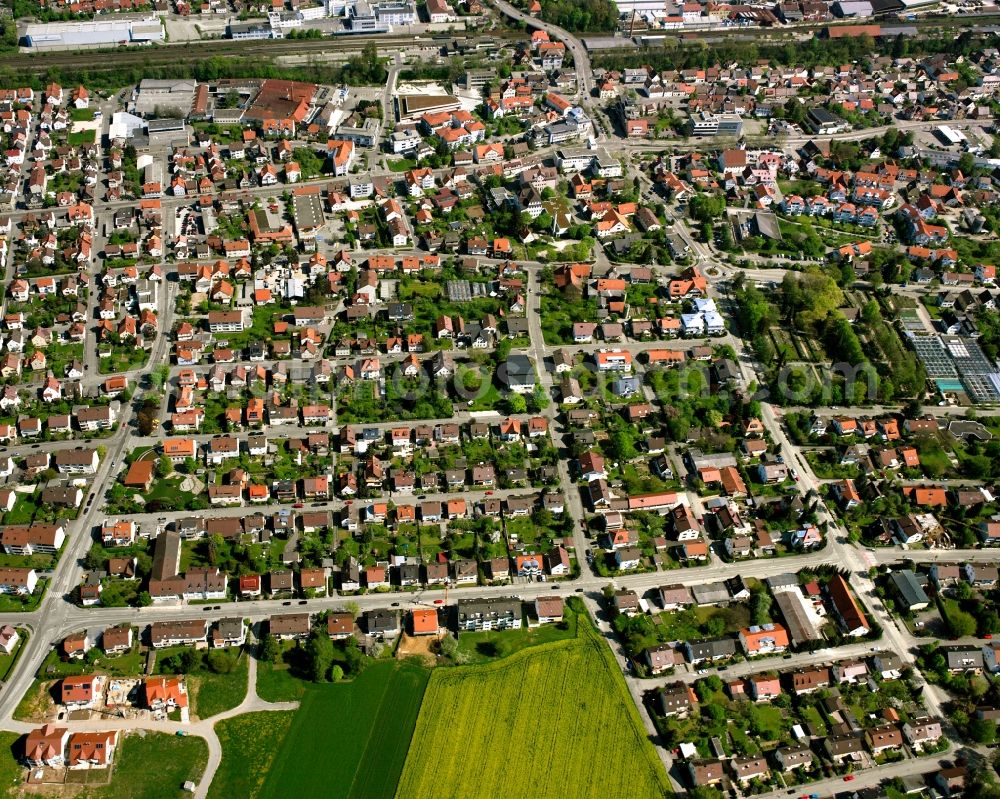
point(554, 720)
point(250, 743)
point(350, 740)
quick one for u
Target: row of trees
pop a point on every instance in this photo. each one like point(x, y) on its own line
point(320, 659)
point(363, 68)
point(192, 661)
point(595, 16)
point(685, 54)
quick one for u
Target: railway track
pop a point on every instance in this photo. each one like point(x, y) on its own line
point(111, 58)
point(778, 35)
point(268, 49)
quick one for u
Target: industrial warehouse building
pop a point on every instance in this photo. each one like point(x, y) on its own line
point(95, 33)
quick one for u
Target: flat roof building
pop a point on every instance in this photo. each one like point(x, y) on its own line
point(415, 105)
point(93, 33)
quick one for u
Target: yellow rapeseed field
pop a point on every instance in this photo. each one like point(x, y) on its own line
point(554, 720)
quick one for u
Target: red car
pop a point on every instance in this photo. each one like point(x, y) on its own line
point(489, 493)
point(438, 601)
point(298, 505)
point(848, 778)
point(988, 636)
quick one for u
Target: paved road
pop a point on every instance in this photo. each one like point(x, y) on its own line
point(944, 412)
point(865, 778)
point(898, 554)
point(581, 59)
point(75, 618)
point(57, 617)
point(747, 668)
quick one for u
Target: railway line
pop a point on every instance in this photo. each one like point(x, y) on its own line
point(112, 58)
point(269, 49)
point(798, 32)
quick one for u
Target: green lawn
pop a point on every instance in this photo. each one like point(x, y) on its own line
point(10, 770)
point(7, 661)
point(486, 646)
point(128, 665)
point(261, 328)
point(122, 359)
point(401, 164)
point(24, 510)
point(153, 766)
point(164, 490)
point(10, 603)
point(81, 137)
point(250, 744)
point(215, 693)
point(275, 683)
point(554, 720)
point(350, 739)
point(813, 716)
point(40, 562)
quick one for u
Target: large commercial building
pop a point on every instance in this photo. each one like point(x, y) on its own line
point(704, 124)
point(94, 33)
point(250, 30)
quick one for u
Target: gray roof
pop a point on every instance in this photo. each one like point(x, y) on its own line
point(783, 580)
point(800, 628)
point(489, 608)
point(382, 620)
point(793, 755)
point(710, 593)
point(909, 588)
point(844, 744)
point(711, 648)
point(961, 657)
point(675, 697)
point(231, 627)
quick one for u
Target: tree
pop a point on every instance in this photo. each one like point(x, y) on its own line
point(164, 466)
point(448, 646)
point(319, 652)
point(760, 607)
point(982, 731)
point(94, 559)
point(337, 673)
point(967, 163)
point(354, 657)
point(706, 207)
point(144, 421)
point(961, 624)
point(269, 651)
point(707, 687)
point(221, 662)
point(540, 398)
point(516, 403)
point(621, 443)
